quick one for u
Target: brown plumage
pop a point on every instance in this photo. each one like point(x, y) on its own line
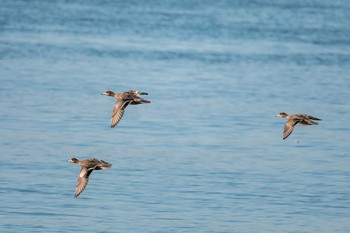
point(87, 166)
point(131, 97)
point(293, 120)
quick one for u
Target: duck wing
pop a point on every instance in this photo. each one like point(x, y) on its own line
point(139, 100)
point(118, 111)
point(101, 165)
point(305, 116)
point(289, 127)
point(104, 165)
point(83, 180)
point(136, 93)
point(307, 121)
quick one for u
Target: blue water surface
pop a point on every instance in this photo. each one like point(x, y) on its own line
point(207, 154)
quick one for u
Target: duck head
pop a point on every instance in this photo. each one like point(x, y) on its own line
point(73, 160)
point(108, 93)
point(282, 114)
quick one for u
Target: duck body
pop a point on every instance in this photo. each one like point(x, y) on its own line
point(124, 99)
point(296, 119)
point(87, 166)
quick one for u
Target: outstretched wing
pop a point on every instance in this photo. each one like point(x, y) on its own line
point(289, 127)
point(118, 112)
point(83, 180)
point(136, 93)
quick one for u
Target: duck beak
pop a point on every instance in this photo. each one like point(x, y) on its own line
point(104, 93)
point(143, 93)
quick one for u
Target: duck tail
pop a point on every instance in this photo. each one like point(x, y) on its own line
point(314, 118)
point(145, 101)
point(106, 166)
point(313, 122)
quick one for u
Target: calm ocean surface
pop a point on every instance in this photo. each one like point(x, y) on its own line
point(207, 154)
